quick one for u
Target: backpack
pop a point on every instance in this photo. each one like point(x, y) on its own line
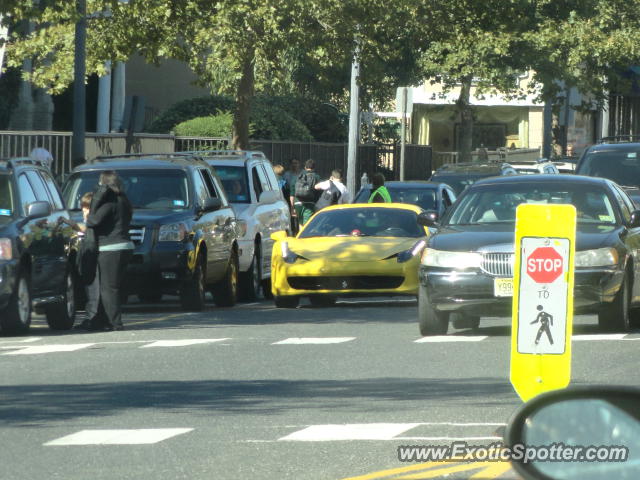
point(305, 187)
point(331, 196)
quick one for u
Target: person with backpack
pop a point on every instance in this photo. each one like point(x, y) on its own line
point(305, 193)
point(333, 190)
point(379, 193)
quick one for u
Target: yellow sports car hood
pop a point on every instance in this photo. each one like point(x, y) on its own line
point(350, 249)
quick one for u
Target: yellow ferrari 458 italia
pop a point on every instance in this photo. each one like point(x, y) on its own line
point(350, 250)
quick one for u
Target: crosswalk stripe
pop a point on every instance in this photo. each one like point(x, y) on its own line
point(451, 338)
point(142, 436)
point(603, 336)
point(24, 340)
point(313, 340)
point(354, 431)
point(40, 349)
point(183, 343)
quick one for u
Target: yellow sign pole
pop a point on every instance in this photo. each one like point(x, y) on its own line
point(543, 279)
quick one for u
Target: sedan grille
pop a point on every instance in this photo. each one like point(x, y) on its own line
point(356, 282)
point(498, 264)
point(136, 234)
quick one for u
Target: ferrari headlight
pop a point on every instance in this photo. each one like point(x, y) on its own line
point(6, 251)
point(287, 255)
point(172, 232)
point(600, 257)
point(412, 252)
point(455, 260)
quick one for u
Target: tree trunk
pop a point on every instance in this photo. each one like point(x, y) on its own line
point(244, 96)
point(465, 132)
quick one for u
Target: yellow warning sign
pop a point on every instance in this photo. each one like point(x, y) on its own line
point(542, 298)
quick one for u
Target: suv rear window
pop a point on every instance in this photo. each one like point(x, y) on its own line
point(621, 166)
point(6, 199)
point(146, 189)
point(234, 180)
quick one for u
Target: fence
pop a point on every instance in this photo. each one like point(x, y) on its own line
point(328, 156)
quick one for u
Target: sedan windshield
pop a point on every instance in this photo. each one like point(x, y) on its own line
point(498, 203)
point(623, 167)
point(147, 189)
point(424, 198)
point(356, 222)
point(234, 180)
point(6, 199)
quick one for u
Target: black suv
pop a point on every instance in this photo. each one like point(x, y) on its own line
point(183, 228)
point(616, 158)
point(37, 248)
point(460, 175)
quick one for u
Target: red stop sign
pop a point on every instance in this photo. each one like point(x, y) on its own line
point(544, 265)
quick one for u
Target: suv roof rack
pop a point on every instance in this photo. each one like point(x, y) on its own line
point(138, 156)
point(620, 139)
point(243, 153)
point(14, 162)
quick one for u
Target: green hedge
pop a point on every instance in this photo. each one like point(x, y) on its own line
point(211, 126)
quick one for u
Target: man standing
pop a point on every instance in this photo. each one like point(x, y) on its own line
point(379, 193)
point(333, 191)
point(305, 194)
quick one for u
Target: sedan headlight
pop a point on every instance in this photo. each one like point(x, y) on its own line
point(172, 232)
point(600, 257)
point(455, 260)
point(412, 252)
point(6, 251)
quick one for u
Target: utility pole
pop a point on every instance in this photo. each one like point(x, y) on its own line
point(79, 99)
point(403, 132)
point(354, 124)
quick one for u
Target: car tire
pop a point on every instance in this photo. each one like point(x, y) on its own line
point(462, 320)
point(286, 302)
point(430, 321)
point(250, 281)
point(192, 294)
point(225, 292)
point(615, 317)
point(322, 300)
point(150, 297)
point(266, 289)
point(16, 317)
point(60, 316)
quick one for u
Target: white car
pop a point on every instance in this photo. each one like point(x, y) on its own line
point(261, 209)
point(532, 167)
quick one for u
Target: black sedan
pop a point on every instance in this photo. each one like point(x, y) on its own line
point(426, 195)
point(468, 262)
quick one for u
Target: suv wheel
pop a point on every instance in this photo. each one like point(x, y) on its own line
point(250, 281)
point(225, 292)
point(193, 292)
point(16, 318)
point(60, 316)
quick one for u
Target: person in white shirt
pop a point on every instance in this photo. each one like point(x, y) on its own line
point(336, 180)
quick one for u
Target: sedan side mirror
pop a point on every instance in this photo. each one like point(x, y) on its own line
point(634, 222)
point(577, 433)
point(211, 205)
point(428, 218)
point(38, 210)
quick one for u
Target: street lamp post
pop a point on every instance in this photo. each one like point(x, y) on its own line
point(79, 98)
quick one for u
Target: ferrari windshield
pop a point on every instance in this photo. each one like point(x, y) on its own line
point(356, 222)
point(497, 203)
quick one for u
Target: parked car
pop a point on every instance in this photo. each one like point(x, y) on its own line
point(472, 251)
point(252, 189)
point(424, 194)
point(616, 158)
point(532, 167)
point(349, 249)
point(460, 175)
point(37, 248)
point(183, 227)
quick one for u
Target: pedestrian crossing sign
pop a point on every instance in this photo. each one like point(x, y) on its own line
point(543, 298)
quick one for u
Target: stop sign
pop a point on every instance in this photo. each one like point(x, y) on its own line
point(544, 265)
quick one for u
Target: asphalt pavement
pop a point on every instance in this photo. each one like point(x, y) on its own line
point(264, 393)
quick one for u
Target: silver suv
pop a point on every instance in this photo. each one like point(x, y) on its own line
point(261, 209)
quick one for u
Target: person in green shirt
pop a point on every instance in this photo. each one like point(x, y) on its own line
point(379, 193)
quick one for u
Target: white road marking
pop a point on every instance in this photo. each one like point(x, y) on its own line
point(141, 436)
point(451, 338)
point(183, 343)
point(448, 439)
point(40, 349)
point(313, 340)
point(602, 336)
point(354, 431)
point(26, 340)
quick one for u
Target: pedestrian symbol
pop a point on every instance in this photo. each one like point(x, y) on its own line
point(545, 319)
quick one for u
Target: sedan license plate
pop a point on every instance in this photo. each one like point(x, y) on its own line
point(503, 287)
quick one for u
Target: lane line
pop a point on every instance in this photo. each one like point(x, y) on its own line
point(183, 343)
point(452, 338)
point(143, 436)
point(313, 340)
point(354, 431)
point(41, 349)
point(448, 439)
point(26, 340)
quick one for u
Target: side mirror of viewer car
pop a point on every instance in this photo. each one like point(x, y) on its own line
point(428, 218)
point(279, 236)
point(584, 433)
